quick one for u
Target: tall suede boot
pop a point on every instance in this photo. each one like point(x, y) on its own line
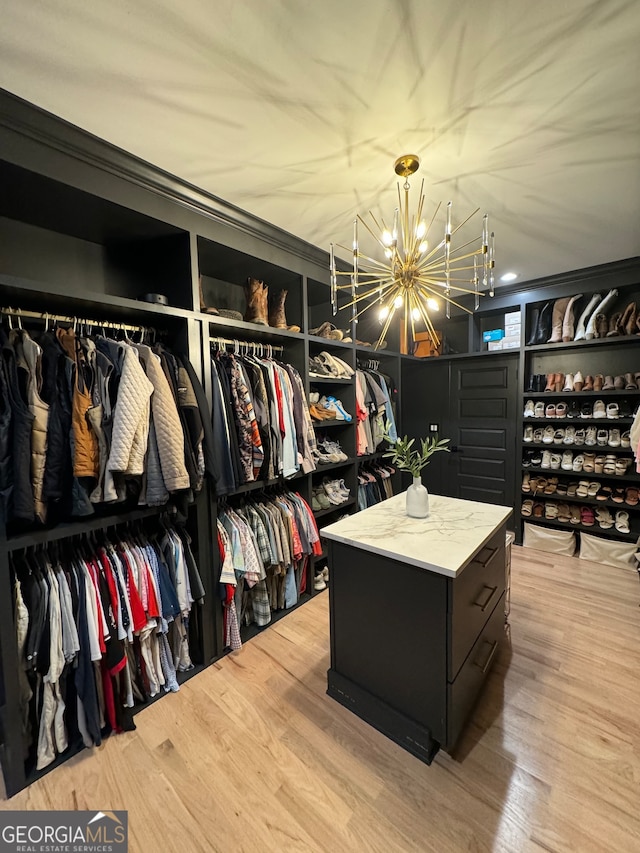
point(581, 329)
point(592, 330)
point(628, 319)
point(257, 294)
point(557, 316)
point(568, 323)
point(544, 324)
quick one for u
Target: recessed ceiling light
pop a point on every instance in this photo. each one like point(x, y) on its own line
point(509, 276)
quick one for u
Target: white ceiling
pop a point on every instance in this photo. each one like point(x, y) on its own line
point(296, 111)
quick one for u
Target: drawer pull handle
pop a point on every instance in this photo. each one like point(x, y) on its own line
point(483, 605)
point(493, 552)
point(487, 663)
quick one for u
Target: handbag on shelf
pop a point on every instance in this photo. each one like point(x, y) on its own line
point(427, 345)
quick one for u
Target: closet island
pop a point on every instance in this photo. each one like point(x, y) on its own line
point(417, 611)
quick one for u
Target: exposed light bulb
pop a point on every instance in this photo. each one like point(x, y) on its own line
point(397, 302)
point(387, 238)
point(421, 230)
point(433, 305)
point(415, 314)
point(388, 253)
point(509, 276)
point(384, 313)
point(422, 248)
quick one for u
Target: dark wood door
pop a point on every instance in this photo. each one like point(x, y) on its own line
point(483, 416)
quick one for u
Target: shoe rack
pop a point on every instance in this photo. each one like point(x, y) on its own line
point(579, 402)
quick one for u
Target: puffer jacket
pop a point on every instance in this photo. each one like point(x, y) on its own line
point(130, 431)
point(169, 434)
point(40, 411)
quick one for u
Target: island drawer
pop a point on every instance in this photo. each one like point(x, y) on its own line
point(462, 693)
point(472, 598)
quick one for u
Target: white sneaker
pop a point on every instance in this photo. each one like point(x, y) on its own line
point(319, 582)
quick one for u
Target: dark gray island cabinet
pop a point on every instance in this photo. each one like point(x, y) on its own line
point(416, 615)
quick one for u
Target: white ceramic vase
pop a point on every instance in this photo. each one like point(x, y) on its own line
point(417, 505)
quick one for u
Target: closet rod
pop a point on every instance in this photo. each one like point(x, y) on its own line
point(214, 339)
point(61, 318)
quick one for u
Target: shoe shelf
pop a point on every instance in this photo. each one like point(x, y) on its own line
point(576, 345)
point(328, 466)
point(551, 395)
point(575, 499)
point(329, 343)
point(226, 327)
point(567, 422)
point(319, 513)
point(262, 484)
point(332, 422)
point(581, 448)
point(540, 497)
point(583, 475)
point(328, 380)
point(606, 532)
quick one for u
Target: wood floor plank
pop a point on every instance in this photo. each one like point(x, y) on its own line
point(253, 755)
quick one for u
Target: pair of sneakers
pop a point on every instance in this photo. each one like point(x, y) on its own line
point(336, 491)
point(329, 451)
point(333, 405)
point(321, 578)
point(325, 364)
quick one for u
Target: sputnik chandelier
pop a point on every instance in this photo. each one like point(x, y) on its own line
point(411, 277)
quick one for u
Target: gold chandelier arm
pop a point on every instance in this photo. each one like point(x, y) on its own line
point(427, 321)
point(385, 328)
point(374, 262)
point(464, 221)
point(366, 295)
point(376, 237)
point(431, 292)
point(427, 281)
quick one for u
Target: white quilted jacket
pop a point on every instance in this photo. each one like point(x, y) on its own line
point(131, 417)
point(166, 421)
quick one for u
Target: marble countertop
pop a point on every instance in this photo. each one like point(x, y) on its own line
point(443, 543)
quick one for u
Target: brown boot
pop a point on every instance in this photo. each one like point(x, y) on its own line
point(557, 318)
point(277, 317)
point(614, 326)
point(257, 294)
point(602, 326)
point(628, 320)
point(203, 306)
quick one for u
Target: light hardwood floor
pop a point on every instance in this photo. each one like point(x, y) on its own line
point(252, 755)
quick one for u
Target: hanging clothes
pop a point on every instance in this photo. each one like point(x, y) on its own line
point(264, 547)
point(374, 484)
point(375, 410)
point(98, 629)
point(262, 428)
point(90, 420)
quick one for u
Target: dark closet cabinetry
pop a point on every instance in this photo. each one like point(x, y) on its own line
point(86, 233)
point(579, 402)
